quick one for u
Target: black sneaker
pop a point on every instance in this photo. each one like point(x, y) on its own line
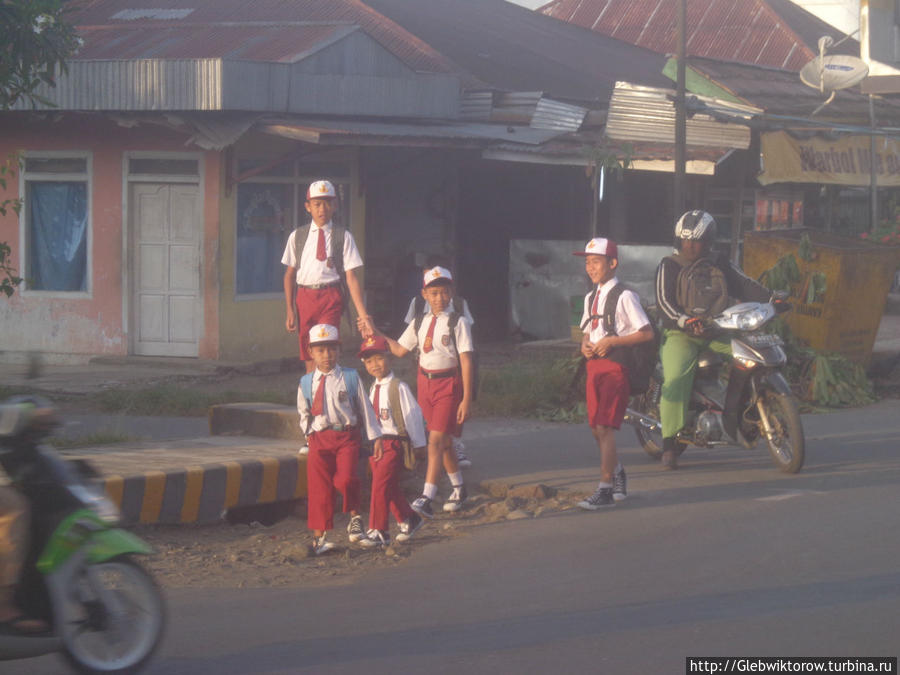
point(602, 498)
point(410, 527)
point(355, 530)
point(620, 484)
point(422, 506)
point(456, 499)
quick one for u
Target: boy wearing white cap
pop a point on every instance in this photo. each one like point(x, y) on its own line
point(445, 384)
point(607, 387)
point(332, 402)
point(320, 257)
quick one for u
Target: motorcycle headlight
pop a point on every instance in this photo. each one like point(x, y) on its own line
point(750, 320)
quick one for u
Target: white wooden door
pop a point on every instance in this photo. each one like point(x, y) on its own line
point(167, 307)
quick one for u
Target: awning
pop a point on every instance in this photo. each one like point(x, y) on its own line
point(844, 161)
point(452, 134)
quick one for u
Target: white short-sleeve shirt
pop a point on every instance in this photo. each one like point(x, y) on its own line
point(442, 356)
point(310, 271)
point(630, 316)
point(412, 413)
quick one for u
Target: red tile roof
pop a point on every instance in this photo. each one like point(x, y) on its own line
point(761, 32)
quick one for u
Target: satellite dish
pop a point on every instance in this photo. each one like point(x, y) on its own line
point(829, 73)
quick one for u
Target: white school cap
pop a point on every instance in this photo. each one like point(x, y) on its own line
point(323, 332)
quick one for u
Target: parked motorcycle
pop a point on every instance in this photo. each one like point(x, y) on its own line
point(104, 611)
point(733, 405)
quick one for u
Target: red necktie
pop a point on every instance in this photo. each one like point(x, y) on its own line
point(595, 320)
point(375, 401)
point(429, 336)
point(318, 405)
point(320, 246)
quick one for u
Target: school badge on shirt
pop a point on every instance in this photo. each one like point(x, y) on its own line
point(342, 396)
point(384, 414)
point(445, 340)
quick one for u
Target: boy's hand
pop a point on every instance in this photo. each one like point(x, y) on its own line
point(603, 345)
point(365, 326)
point(587, 347)
point(291, 322)
point(462, 413)
point(378, 451)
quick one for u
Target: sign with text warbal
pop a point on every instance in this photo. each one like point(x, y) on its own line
point(844, 161)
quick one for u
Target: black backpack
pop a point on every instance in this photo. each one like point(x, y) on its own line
point(452, 320)
point(701, 288)
point(639, 360)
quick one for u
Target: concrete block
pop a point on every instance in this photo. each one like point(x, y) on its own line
point(267, 420)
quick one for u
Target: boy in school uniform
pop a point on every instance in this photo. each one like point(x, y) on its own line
point(418, 306)
point(315, 271)
point(445, 384)
point(607, 388)
point(403, 431)
point(332, 403)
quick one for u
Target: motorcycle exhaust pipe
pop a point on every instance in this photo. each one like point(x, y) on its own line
point(635, 418)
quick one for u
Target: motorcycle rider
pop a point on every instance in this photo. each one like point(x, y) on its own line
point(13, 538)
point(685, 336)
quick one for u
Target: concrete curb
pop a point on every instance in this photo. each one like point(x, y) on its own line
point(201, 493)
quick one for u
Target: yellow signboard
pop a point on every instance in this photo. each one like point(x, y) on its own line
point(845, 161)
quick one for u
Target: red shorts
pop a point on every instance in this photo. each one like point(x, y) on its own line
point(439, 399)
point(607, 393)
point(314, 306)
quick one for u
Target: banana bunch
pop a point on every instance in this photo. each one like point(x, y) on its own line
point(834, 381)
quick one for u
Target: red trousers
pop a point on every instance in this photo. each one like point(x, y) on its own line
point(439, 399)
point(386, 493)
point(607, 393)
point(331, 463)
point(315, 306)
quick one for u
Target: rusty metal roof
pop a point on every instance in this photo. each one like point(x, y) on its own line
point(516, 50)
point(764, 32)
point(780, 91)
point(260, 29)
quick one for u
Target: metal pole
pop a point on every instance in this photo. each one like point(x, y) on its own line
point(680, 116)
point(873, 174)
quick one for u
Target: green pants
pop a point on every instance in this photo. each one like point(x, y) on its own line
point(678, 353)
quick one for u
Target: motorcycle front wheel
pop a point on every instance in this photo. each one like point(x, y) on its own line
point(114, 620)
point(787, 445)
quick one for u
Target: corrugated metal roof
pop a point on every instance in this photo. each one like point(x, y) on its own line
point(781, 92)
point(133, 14)
point(514, 49)
point(764, 32)
point(647, 114)
point(551, 114)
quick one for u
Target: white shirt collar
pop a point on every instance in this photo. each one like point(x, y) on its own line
point(386, 379)
point(608, 285)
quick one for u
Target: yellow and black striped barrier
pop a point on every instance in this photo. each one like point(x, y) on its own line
point(201, 493)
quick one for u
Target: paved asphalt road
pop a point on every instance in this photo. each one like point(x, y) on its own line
point(724, 557)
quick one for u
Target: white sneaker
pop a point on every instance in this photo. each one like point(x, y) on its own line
point(462, 459)
point(304, 451)
point(355, 530)
point(410, 527)
point(321, 545)
point(375, 538)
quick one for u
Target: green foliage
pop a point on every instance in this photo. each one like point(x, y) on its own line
point(8, 278)
point(36, 43)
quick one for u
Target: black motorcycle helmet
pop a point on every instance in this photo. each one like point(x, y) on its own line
point(696, 225)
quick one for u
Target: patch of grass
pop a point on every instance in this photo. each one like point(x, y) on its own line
point(90, 440)
point(542, 387)
point(176, 401)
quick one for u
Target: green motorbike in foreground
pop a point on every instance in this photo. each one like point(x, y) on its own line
point(105, 612)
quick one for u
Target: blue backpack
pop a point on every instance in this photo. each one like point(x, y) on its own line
point(351, 379)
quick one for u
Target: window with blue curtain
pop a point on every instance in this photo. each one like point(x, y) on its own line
point(57, 217)
point(265, 216)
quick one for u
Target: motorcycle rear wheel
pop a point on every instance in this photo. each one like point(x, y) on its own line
point(787, 446)
point(650, 440)
point(101, 639)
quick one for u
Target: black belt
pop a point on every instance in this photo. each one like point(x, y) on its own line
point(336, 427)
point(437, 374)
point(393, 437)
point(318, 287)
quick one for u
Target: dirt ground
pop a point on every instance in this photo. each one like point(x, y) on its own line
point(255, 555)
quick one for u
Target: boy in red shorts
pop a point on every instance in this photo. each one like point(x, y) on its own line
point(607, 379)
point(445, 384)
point(316, 270)
point(332, 404)
point(391, 398)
